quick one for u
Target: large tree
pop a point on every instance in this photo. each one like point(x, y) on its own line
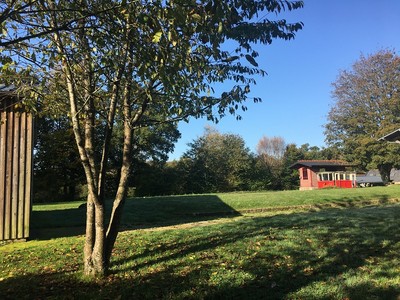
point(140, 63)
point(367, 106)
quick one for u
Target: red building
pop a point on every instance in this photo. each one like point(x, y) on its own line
point(316, 174)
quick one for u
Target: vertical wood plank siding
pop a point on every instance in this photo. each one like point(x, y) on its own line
point(16, 139)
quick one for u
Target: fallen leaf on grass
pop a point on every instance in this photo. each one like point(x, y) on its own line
point(308, 271)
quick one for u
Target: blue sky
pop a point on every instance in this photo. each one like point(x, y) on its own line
point(296, 93)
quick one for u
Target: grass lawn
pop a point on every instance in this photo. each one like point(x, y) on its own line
point(326, 244)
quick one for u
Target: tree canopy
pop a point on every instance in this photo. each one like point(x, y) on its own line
point(367, 106)
point(216, 162)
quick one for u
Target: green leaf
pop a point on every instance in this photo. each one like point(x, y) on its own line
point(251, 60)
point(220, 27)
point(157, 37)
point(196, 17)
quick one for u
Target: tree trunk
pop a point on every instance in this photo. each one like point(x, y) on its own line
point(384, 170)
point(118, 206)
point(113, 227)
point(119, 201)
point(89, 237)
point(94, 250)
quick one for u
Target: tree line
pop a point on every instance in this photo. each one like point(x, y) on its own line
point(213, 162)
point(221, 162)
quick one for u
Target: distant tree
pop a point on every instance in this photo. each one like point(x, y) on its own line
point(216, 163)
point(367, 106)
point(271, 151)
point(289, 176)
point(310, 152)
point(316, 153)
point(158, 178)
point(57, 168)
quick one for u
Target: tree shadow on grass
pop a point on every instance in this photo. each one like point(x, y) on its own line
point(354, 241)
point(349, 238)
point(48, 224)
point(251, 258)
point(138, 213)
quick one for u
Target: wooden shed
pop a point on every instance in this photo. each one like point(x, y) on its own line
point(317, 174)
point(16, 150)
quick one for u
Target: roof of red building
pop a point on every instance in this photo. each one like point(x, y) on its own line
point(321, 163)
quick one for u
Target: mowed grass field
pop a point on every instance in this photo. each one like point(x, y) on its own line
point(324, 244)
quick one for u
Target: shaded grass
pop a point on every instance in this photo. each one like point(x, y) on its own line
point(334, 253)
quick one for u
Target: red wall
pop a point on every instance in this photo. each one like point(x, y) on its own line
point(311, 182)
